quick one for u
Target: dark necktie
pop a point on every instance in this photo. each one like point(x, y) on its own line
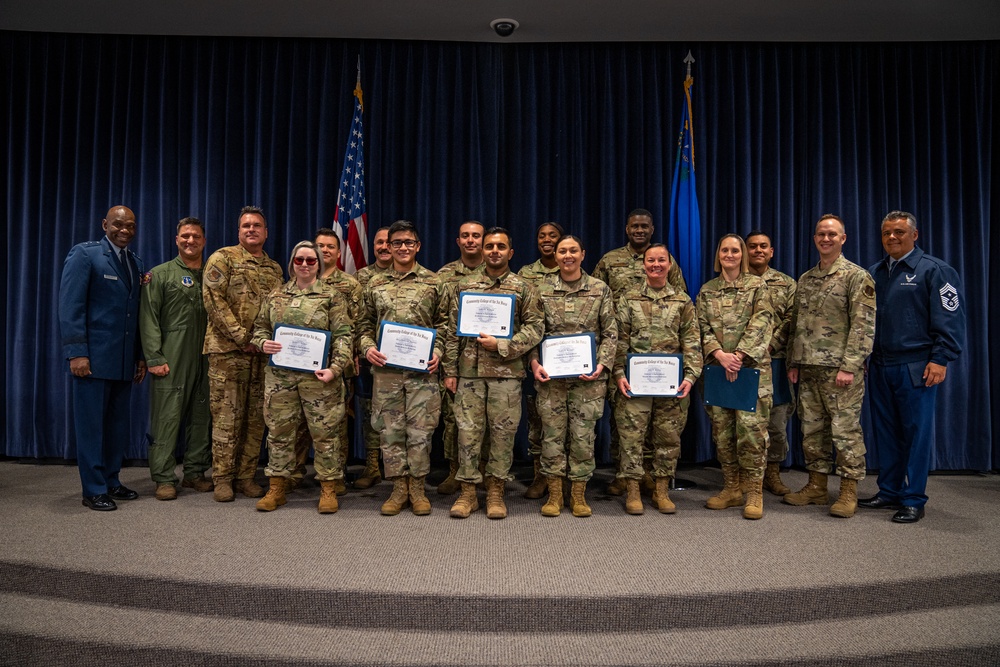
point(123, 258)
point(892, 265)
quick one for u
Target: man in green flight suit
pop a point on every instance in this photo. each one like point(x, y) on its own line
point(172, 330)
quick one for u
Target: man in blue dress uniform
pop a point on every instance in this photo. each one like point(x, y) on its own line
point(920, 329)
point(98, 320)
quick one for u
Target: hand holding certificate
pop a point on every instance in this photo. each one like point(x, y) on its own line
point(407, 346)
point(490, 314)
point(569, 356)
point(658, 375)
point(298, 348)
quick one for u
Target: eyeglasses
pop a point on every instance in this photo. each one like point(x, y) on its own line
point(311, 261)
point(405, 243)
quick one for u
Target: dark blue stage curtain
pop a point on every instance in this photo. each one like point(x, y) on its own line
point(508, 134)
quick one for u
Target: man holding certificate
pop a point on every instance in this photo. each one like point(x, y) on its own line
point(659, 350)
point(568, 365)
point(305, 327)
point(398, 335)
point(495, 318)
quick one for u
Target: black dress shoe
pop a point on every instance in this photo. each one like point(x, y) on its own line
point(122, 492)
point(879, 503)
point(100, 502)
point(908, 515)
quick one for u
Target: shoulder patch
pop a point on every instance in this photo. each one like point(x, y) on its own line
point(869, 291)
point(949, 297)
point(213, 276)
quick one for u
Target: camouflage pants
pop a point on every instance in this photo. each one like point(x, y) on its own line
point(405, 410)
point(664, 419)
point(479, 403)
point(236, 399)
point(741, 437)
point(777, 432)
point(534, 421)
point(831, 420)
point(291, 396)
point(569, 410)
point(303, 439)
point(449, 437)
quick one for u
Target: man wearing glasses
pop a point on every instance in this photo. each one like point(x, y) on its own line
point(405, 403)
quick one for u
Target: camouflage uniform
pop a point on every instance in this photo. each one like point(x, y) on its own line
point(833, 330)
point(661, 321)
point(738, 316)
point(448, 276)
point(622, 270)
point(172, 329)
point(534, 272)
point(291, 395)
point(235, 284)
point(364, 383)
point(569, 407)
point(782, 290)
point(350, 290)
point(489, 383)
point(405, 404)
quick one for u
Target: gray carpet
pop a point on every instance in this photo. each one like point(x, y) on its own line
point(197, 582)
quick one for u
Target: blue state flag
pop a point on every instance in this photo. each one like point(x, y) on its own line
point(685, 218)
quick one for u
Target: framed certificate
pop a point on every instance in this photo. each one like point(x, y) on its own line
point(406, 346)
point(738, 395)
point(491, 314)
point(568, 356)
point(302, 349)
point(654, 374)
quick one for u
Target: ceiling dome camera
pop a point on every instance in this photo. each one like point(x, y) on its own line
point(504, 27)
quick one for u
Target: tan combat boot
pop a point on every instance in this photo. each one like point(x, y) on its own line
point(731, 495)
point(250, 488)
point(199, 484)
point(418, 500)
point(400, 497)
point(847, 503)
point(495, 507)
point(165, 491)
point(754, 508)
point(772, 480)
point(466, 503)
point(661, 497)
point(813, 493)
point(328, 497)
point(554, 504)
point(579, 500)
point(223, 492)
point(538, 485)
point(633, 502)
point(370, 477)
point(275, 497)
point(450, 485)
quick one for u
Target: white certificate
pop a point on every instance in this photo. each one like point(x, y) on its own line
point(568, 356)
point(491, 314)
point(302, 349)
point(406, 346)
point(654, 374)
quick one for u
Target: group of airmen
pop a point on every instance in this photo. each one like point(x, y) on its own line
point(207, 332)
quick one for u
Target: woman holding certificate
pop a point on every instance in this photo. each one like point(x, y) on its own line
point(569, 365)
point(305, 328)
point(657, 363)
point(735, 316)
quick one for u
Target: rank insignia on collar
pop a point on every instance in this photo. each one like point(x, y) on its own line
point(187, 281)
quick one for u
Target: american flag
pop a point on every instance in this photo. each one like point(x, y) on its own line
point(350, 220)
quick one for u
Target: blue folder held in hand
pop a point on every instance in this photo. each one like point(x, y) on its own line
point(738, 395)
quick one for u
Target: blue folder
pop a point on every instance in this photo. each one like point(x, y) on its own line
point(738, 395)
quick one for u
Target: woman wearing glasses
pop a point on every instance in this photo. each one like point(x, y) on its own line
point(290, 395)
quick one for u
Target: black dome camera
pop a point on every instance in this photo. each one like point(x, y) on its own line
point(504, 27)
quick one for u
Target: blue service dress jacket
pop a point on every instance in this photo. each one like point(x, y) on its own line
point(99, 309)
